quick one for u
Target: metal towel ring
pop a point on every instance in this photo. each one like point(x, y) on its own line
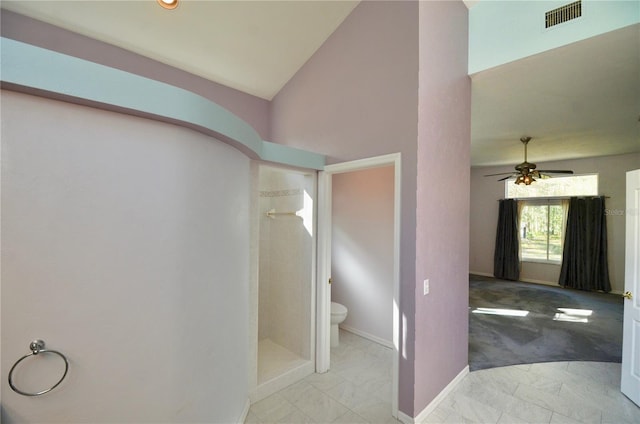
point(37, 347)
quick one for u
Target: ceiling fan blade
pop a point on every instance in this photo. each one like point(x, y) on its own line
point(506, 178)
point(555, 171)
point(501, 173)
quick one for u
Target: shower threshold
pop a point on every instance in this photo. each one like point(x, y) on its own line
point(275, 360)
point(278, 367)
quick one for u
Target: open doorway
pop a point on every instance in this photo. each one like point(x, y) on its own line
point(351, 219)
point(362, 252)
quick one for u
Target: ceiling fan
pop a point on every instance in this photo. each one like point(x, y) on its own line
point(526, 172)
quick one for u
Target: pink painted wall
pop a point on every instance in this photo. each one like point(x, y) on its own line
point(253, 110)
point(362, 250)
point(442, 240)
point(125, 246)
point(357, 97)
point(360, 95)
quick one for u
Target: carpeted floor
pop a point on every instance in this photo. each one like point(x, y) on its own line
point(518, 323)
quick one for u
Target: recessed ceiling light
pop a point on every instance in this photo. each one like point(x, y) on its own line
point(168, 4)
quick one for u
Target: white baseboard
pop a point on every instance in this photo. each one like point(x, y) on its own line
point(375, 339)
point(552, 284)
point(245, 412)
point(524, 280)
point(544, 283)
point(278, 383)
point(435, 402)
point(484, 274)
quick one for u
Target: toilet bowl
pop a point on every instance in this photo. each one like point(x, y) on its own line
point(338, 314)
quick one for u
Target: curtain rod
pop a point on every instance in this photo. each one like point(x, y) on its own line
point(553, 198)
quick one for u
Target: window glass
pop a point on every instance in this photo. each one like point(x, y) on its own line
point(541, 231)
point(572, 185)
point(543, 215)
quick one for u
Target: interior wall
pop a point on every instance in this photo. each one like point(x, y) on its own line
point(355, 98)
point(125, 246)
point(362, 250)
point(442, 240)
point(485, 192)
point(285, 256)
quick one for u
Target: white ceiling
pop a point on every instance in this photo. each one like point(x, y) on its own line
point(252, 46)
point(580, 100)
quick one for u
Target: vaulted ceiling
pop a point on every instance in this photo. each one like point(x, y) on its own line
point(579, 100)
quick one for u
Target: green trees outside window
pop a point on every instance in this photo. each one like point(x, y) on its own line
point(541, 231)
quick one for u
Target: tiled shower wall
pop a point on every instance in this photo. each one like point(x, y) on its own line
point(285, 273)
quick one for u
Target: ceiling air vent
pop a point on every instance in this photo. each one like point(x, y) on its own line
point(563, 14)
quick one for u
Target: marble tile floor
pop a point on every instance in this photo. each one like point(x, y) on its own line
point(357, 389)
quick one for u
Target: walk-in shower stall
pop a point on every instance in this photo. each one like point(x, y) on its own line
point(283, 279)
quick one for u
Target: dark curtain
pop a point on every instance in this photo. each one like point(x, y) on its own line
point(584, 258)
point(506, 258)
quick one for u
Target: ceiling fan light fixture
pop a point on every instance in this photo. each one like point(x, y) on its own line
point(168, 4)
point(525, 179)
point(526, 172)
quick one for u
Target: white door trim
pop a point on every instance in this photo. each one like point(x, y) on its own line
point(324, 261)
point(630, 377)
point(323, 289)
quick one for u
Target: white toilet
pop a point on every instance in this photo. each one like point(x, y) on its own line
point(338, 314)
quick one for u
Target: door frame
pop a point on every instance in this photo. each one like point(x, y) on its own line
point(323, 317)
point(630, 375)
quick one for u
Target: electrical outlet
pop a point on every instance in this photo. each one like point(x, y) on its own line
point(426, 287)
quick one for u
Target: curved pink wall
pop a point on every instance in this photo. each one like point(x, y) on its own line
point(124, 246)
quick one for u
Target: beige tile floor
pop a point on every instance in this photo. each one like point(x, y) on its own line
point(358, 390)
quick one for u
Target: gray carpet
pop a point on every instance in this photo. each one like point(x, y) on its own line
point(498, 338)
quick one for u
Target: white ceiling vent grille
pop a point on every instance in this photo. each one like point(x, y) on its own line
point(563, 14)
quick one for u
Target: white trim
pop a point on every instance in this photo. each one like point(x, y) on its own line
point(422, 416)
point(484, 274)
point(529, 280)
point(324, 261)
point(281, 381)
point(245, 412)
point(323, 264)
point(368, 336)
point(544, 283)
point(314, 275)
point(367, 163)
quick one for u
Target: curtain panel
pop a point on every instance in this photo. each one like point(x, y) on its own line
point(506, 257)
point(585, 254)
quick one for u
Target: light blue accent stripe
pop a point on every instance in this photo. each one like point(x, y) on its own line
point(290, 156)
point(32, 67)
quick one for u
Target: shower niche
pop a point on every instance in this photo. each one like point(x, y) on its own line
point(282, 289)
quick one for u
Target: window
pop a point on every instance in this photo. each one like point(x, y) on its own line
point(542, 213)
point(541, 231)
point(573, 185)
